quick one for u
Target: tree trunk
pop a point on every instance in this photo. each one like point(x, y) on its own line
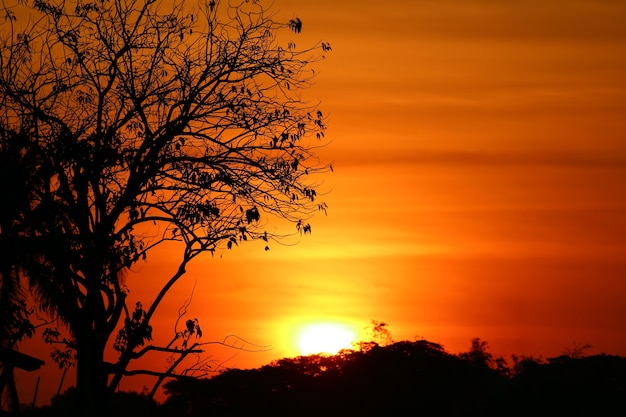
point(91, 376)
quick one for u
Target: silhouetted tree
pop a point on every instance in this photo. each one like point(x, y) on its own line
point(480, 357)
point(401, 378)
point(146, 122)
point(16, 184)
point(570, 385)
point(409, 378)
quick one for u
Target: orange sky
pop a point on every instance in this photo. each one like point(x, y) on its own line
point(479, 185)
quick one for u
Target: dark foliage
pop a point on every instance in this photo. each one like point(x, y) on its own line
point(401, 379)
point(587, 386)
point(409, 378)
point(122, 404)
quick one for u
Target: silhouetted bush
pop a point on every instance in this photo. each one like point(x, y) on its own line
point(588, 386)
point(400, 379)
point(404, 377)
point(122, 404)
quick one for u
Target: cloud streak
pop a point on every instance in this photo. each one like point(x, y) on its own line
point(460, 158)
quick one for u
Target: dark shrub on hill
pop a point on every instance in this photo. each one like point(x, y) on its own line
point(588, 386)
point(123, 404)
point(405, 377)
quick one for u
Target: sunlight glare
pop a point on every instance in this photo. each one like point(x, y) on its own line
point(327, 338)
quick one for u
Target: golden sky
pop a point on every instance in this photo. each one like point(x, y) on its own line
point(479, 185)
point(479, 189)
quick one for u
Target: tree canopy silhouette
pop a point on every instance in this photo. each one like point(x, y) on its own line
point(401, 378)
point(139, 122)
point(408, 378)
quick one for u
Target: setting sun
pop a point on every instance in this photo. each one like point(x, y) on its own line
point(325, 338)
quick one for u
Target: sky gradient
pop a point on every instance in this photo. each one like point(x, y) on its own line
point(480, 174)
point(479, 185)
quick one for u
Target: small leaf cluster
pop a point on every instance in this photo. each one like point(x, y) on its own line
point(192, 327)
point(135, 332)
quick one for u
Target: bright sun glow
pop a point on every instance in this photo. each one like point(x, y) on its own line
point(325, 338)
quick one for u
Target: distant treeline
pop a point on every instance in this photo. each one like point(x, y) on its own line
point(401, 379)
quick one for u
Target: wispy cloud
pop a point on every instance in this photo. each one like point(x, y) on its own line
point(416, 156)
